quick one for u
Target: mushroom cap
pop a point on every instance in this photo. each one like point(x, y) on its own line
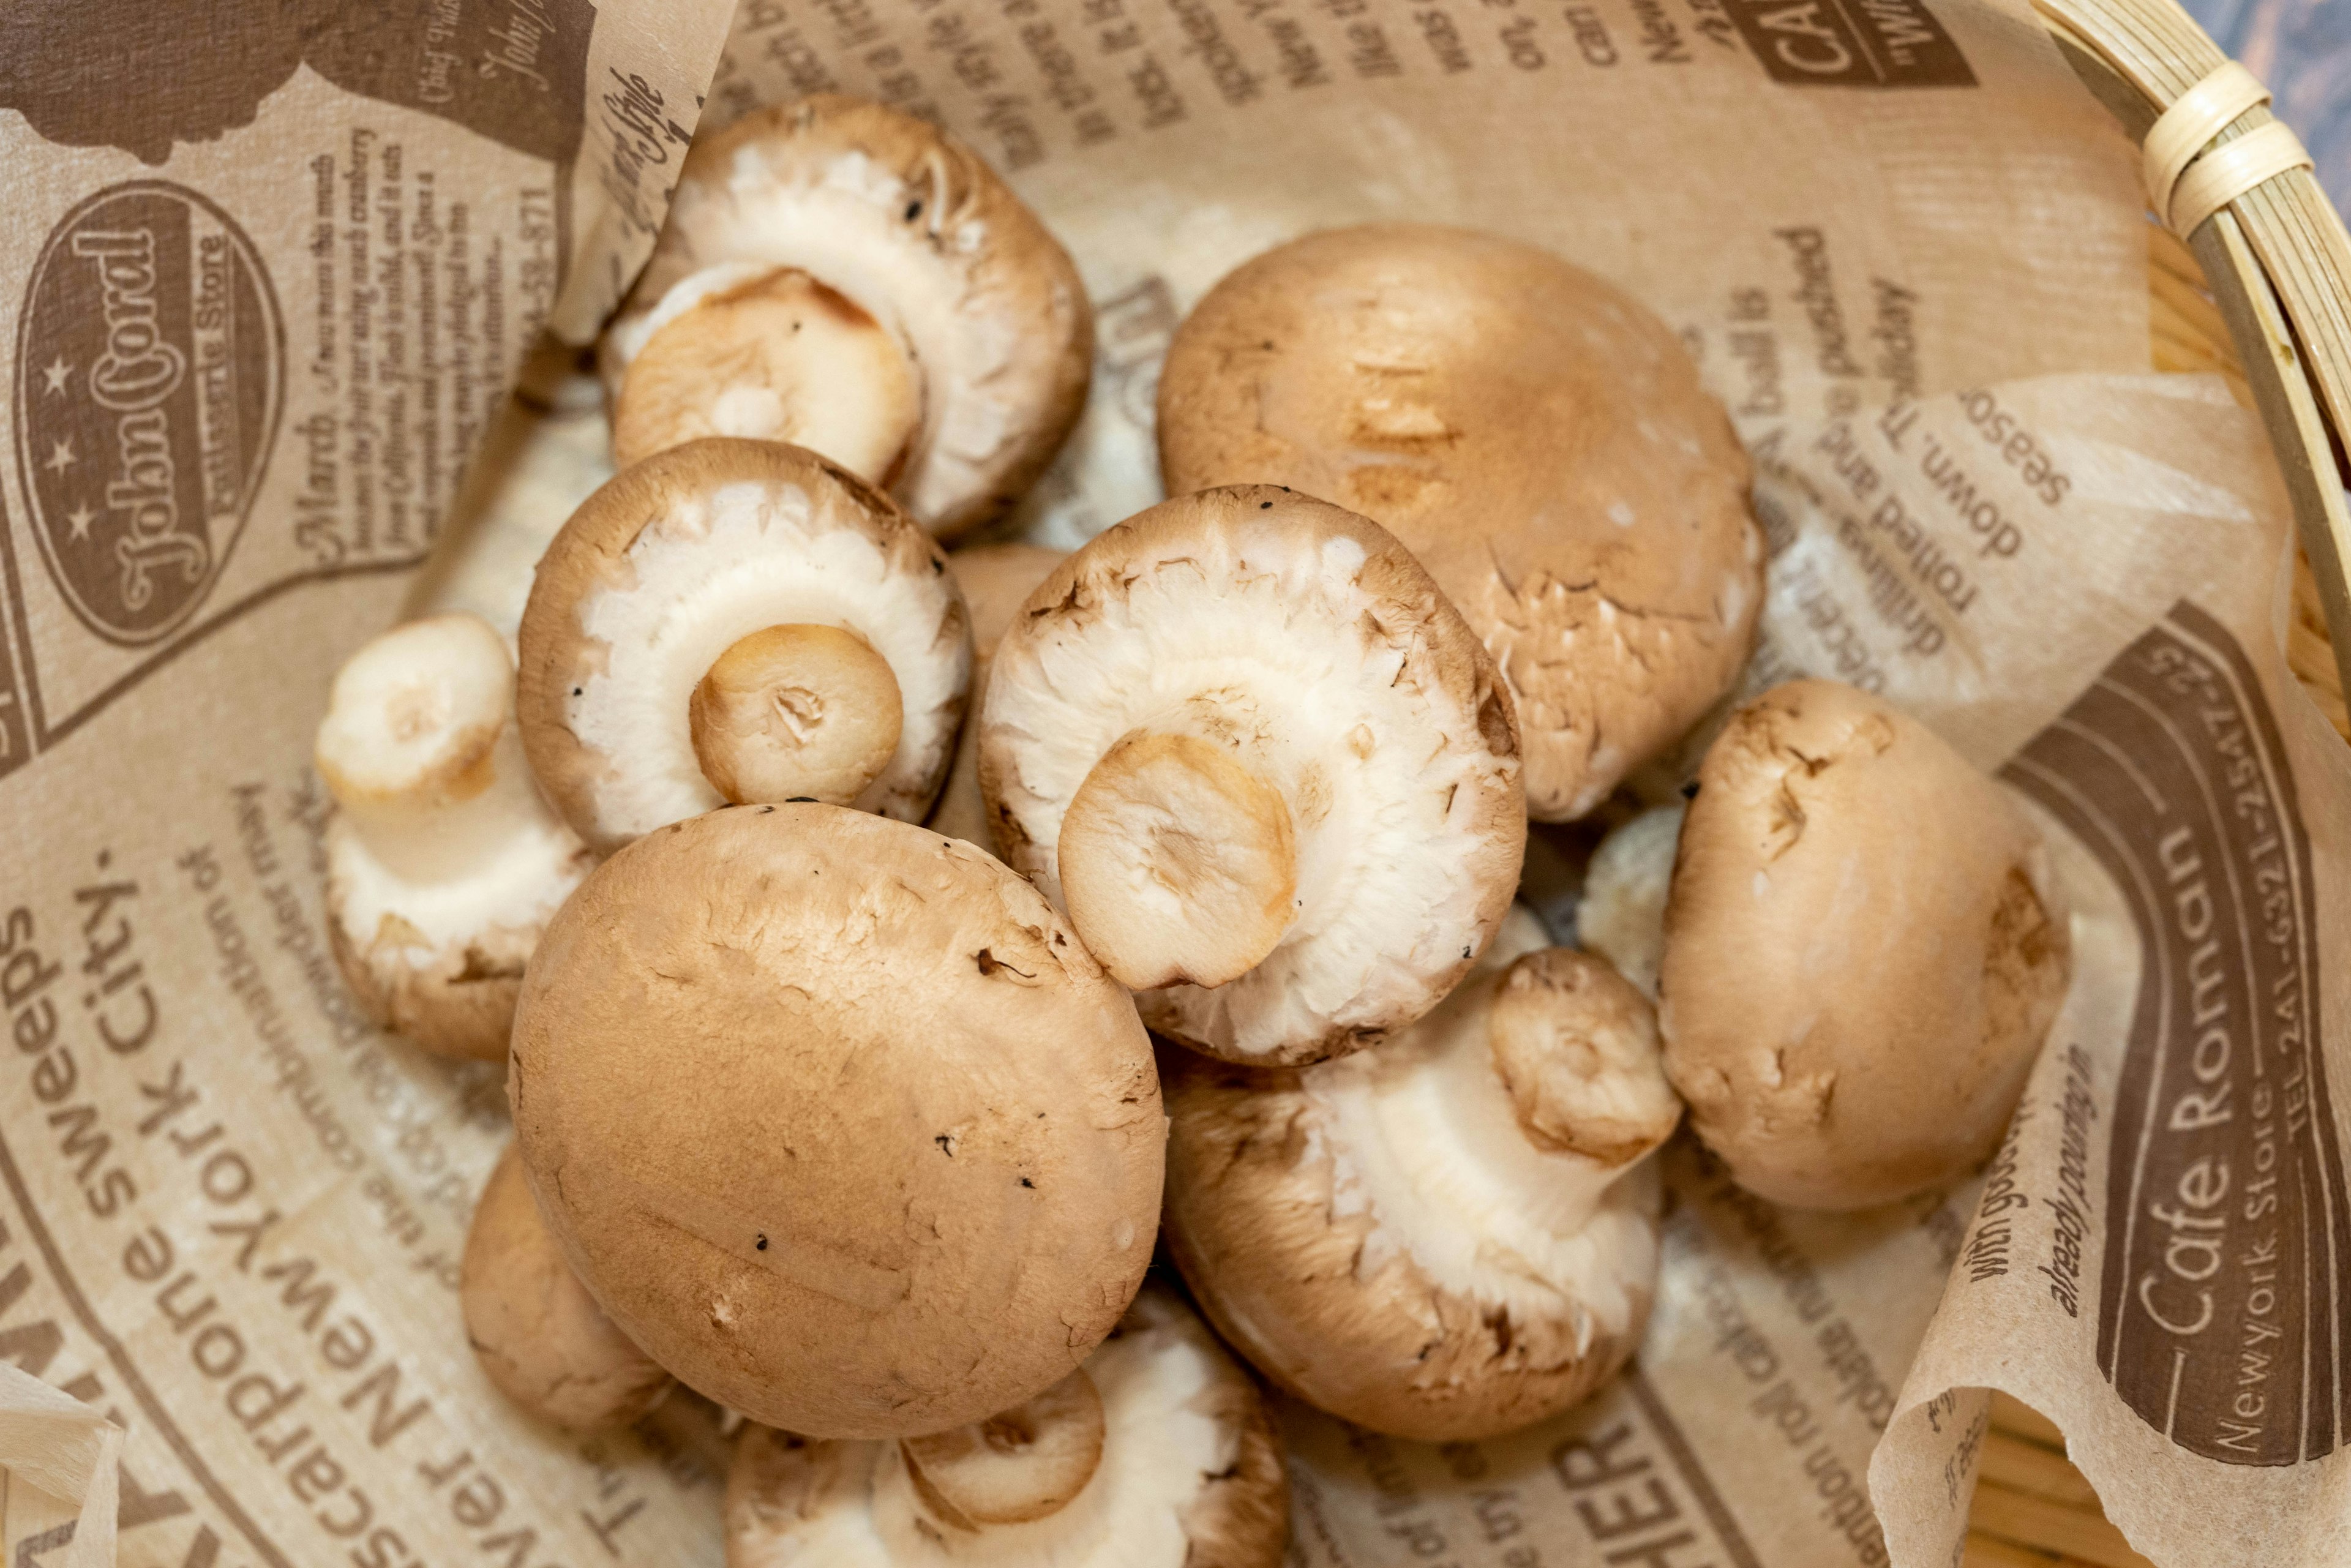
point(1622, 911)
point(1864, 946)
point(837, 1118)
point(995, 579)
point(671, 562)
point(1310, 637)
point(444, 864)
point(1404, 1238)
point(913, 227)
point(538, 1334)
point(1536, 437)
point(1189, 1477)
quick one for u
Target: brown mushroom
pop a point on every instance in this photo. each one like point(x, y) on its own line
point(539, 1335)
point(1265, 767)
point(444, 864)
point(1864, 946)
point(837, 1118)
point(739, 620)
point(1447, 1237)
point(1536, 437)
point(844, 277)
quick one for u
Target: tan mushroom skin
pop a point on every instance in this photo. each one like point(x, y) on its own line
point(1158, 1454)
point(1621, 913)
point(837, 1118)
point(1864, 946)
point(537, 1333)
point(739, 620)
point(1536, 437)
point(841, 276)
point(1247, 744)
point(1447, 1237)
point(995, 579)
point(444, 863)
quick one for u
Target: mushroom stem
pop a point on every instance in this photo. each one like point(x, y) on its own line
point(779, 357)
point(1019, 1465)
point(1178, 862)
point(419, 750)
point(796, 712)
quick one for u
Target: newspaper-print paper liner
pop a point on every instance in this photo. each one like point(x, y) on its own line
point(232, 1209)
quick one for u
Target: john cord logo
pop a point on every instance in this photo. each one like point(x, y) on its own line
point(148, 388)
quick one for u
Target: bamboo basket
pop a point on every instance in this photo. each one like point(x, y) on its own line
point(2260, 294)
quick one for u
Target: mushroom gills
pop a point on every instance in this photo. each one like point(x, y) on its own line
point(796, 712)
point(779, 356)
point(1178, 863)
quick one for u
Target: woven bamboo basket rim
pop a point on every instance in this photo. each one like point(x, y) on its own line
point(2258, 293)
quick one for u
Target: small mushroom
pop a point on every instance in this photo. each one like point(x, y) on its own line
point(1536, 437)
point(1864, 946)
point(443, 862)
point(538, 1334)
point(1622, 915)
point(996, 579)
point(739, 620)
point(843, 277)
point(1247, 744)
point(837, 1118)
point(1451, 1235)
point(1158, 1454)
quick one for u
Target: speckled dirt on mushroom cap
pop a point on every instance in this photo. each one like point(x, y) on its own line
point(836, 1118)
point(1537, 438)
point(1864, 944)
point(917, 230)
point(1307, 641)
point(665, 566)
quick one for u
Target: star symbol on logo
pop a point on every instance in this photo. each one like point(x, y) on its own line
point(78, 521)
point(53, 374)
point(61, 455)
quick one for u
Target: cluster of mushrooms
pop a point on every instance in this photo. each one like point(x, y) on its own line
point(858, 1127)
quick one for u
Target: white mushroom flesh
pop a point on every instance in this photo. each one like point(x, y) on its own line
point(1382, 819)
point(1622, 914)
point(714, 570)
point(1425, 1138)
point(442, 842)
point(1161, 1439)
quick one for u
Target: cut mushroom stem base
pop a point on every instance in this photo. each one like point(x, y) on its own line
point(418, 751)
point(1022, 1464)
point(796, 712)
point(1178, 863)
point(779, 358)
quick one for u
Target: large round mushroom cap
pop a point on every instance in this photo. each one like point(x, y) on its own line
point(444, 863)
point(539, 1335)
point(746, 599)
point(1864, 946)
point(1179, 1470)
point(997, 579)
point(1450, 1236)
point(840, 274)
point(837, 1118)
point(1536, 437)
point(1245, 742)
